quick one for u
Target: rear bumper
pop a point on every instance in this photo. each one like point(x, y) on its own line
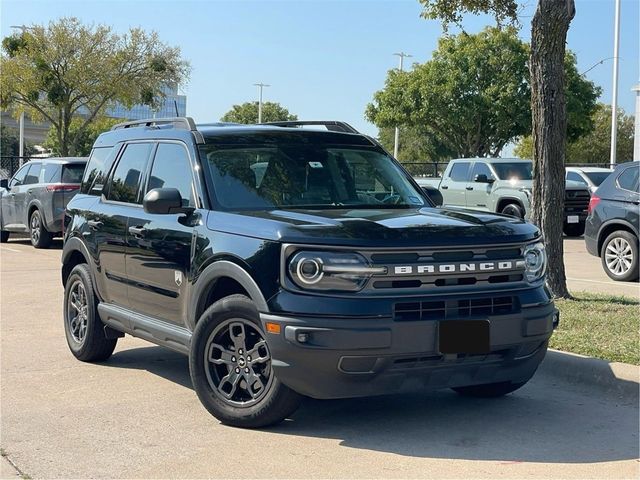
point(341, 357)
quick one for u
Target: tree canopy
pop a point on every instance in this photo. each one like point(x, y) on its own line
point(594, 147)
point(416, 145)
point(67, 69)
point(85, 137)
point(473, 96)
point(10, 143)
point(247, 113)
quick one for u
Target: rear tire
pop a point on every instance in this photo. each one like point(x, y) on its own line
point(4, 236)
point(619, 256)
point(40, 237)
point(490, 390)
point(82, 325)
point(573, 229)
point(231, 370)
point(513, 209)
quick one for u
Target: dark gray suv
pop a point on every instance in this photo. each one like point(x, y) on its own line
point(612, 225)
point(33, 201)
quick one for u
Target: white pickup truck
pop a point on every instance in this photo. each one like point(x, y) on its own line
point(502, 185)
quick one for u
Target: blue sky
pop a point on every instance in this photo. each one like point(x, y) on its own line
point(324, 58)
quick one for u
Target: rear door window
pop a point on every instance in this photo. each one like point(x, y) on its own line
point(51, 173)
point(128, 172)
point(72, 172)
point(460, 171)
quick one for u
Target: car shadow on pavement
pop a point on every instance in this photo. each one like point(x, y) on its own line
point(546, 421)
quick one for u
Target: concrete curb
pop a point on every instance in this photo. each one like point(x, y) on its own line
point(613, 377)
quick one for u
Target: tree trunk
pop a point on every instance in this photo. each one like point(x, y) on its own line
point(549, 117)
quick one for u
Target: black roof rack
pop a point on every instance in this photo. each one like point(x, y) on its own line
point(185, 123)
point(332, 125)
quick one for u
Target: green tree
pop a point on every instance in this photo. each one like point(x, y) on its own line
point(473, 97)
point(549, 27)
point(247, 113)
point(10, 143)
point(85, 137)
point(593, 147)
point(67, 69)
point(416, 145)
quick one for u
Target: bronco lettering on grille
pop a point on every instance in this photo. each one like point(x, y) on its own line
point(455, 268)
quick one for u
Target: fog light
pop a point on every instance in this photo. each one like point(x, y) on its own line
point(303, 337)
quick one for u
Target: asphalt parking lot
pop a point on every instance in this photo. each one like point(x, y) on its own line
point(136, 416)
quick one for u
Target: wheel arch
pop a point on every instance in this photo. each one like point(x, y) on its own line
point(611, 226)
point(74, 253)
point(504, 201)
point(218, 280)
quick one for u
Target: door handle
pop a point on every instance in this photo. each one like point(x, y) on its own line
point(444, 187)
point(94, 224)
point(30, 191)
point(469, 188)
point(137, 231)
point(12, 194)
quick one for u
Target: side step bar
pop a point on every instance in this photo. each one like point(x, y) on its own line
point(148, 328)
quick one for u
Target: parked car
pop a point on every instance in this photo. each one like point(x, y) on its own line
point(612, 225)
point(591, 177)
point(502, 185)
point(34, 199)
point(289, 262)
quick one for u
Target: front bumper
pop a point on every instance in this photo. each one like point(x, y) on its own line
point(325, 357)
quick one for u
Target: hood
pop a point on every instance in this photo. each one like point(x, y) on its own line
point(416, 227)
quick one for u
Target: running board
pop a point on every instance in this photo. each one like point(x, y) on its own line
point(148, 328)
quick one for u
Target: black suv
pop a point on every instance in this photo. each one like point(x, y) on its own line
point(288, 262)
point(612, 225)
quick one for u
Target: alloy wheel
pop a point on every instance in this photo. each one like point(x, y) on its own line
point(77, 311)
point(238, 363)
point(618, 256)
point(35, 227)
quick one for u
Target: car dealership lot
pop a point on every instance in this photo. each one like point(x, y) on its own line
point(136, 415)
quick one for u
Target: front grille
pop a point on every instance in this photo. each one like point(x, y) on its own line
point(576, 201)
point(466, 308)
point(445, 269)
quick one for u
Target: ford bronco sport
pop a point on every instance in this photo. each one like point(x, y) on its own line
point(288, 262)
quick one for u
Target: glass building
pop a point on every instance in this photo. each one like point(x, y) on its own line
point(168, 108)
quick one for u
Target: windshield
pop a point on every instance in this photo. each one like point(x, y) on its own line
point(305, 176)
point(513, 171)
point(597, 177)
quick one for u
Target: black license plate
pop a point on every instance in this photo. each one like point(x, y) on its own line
point(464, 336)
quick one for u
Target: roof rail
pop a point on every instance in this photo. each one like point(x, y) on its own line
point(332, 125)
point(185, 123)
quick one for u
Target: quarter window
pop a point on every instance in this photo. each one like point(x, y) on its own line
point(172, 169)
point(629, 179)
point(126, 177)
point(460, 172)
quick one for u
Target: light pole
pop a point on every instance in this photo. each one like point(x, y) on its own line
point(260, 87)
point(396, 136)
point(24, 28)
point(636, 138)
point(614, 99)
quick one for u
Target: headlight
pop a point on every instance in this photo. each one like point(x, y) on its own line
point(331, 270)
point(535, 261)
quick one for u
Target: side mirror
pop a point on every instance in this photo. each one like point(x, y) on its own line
point(4, 183)
point(482, 178)
point(434, 195)
point(165, 201)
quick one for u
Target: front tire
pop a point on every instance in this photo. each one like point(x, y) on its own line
point(513, 209)
point(490, 390)
point(231, 370)
point(82, 325)
point(40, 237)
point(573, 229)
point(619, 256)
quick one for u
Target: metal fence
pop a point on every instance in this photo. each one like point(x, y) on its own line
point(10, 165)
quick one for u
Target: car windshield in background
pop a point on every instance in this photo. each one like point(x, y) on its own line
point(514, 171)
point(72, 172)
point(597, 177)
point(307, 177)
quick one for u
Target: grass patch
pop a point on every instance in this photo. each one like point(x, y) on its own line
point(602, 326)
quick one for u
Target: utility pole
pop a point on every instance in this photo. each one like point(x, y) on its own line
point(396, 137)
point(614, 99)
point(24, 28)
point(260, 87)
point(636, 138)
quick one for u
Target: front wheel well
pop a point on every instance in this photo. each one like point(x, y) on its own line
point(608, 230)
point(75, 258)
point(503, 202)
point(219, 288)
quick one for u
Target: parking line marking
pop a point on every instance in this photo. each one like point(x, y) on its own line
point(619, 284)
point(10, 249)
